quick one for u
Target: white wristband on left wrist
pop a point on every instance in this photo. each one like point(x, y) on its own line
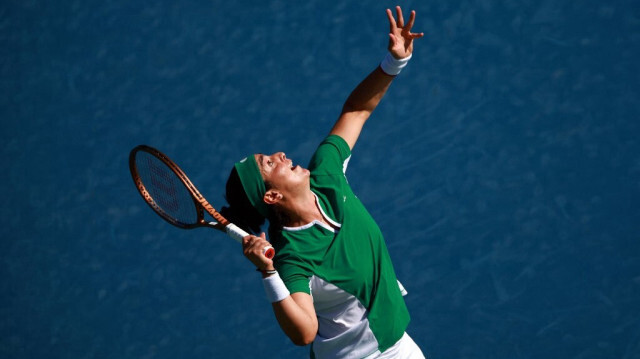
point(392, 66)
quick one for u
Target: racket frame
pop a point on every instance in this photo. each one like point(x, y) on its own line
point(200, 202)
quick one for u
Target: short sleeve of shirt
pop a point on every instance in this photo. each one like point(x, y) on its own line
point(298, 254)
point(331, 157)
point(293, 272)
point(295, 280)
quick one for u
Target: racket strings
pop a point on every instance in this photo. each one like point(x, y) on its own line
point(166, 189)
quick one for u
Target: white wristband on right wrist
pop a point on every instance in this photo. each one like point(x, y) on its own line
point(392, 66)
point(274, 288)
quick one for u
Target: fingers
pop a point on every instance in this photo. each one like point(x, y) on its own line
point(412, 19)
point(249, 242)
point(253, 245)
point(400, 18)
point(392, 22)
point(253, 248)
point(393, 40)
point(395, 24)
point(409, 26)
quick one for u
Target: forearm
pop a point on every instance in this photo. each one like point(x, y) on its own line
point(367, 95)
point(360, 104)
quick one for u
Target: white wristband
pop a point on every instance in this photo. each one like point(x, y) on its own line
point(392, 66)
point(274, 288)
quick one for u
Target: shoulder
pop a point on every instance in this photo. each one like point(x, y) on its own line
point(331, 154)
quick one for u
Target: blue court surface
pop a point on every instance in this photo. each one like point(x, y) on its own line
point(503, 167)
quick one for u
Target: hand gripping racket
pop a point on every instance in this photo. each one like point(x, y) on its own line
point(170, 193)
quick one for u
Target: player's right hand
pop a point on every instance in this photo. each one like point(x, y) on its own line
point(253, 248)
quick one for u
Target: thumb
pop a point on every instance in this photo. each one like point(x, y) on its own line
point(393, 40)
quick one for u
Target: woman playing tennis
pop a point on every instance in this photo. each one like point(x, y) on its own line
point(331, 282)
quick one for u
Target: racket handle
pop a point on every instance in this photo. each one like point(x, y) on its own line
point(238, 233)
point(269, 252)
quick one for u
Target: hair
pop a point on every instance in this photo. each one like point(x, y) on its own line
point(240, 210)
point(242, 213)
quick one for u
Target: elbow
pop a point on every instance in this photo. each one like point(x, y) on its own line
point(359, 109)
point(353, 114)
point(349, 106)
point(303, 340)
point(303, 337)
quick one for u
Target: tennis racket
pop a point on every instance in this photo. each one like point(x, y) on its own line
point(170, 193)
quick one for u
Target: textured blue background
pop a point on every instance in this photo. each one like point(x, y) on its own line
point(503, 166)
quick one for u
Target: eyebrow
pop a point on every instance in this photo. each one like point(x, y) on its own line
point(260, 160)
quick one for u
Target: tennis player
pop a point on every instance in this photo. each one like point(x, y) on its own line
point(331, 283)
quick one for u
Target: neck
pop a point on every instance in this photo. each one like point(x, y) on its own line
point(301, 210)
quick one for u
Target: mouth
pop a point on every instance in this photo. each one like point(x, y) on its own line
point(295, 168)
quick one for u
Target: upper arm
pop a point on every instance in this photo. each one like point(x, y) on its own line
point(297, 317)
point(305, 302)
point(349, 126)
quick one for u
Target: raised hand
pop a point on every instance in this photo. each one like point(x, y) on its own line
point(400, 35)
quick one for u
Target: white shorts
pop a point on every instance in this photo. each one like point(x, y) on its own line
point(405, 348)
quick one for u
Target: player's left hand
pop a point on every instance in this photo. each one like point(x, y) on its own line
point(400, 35)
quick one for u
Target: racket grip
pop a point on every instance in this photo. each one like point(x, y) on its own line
point(238, 233)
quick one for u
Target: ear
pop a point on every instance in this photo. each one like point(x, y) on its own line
point(272, 197)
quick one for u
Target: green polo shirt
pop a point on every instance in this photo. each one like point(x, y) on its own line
point(353, 258)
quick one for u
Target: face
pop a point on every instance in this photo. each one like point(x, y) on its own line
point(280, 172)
